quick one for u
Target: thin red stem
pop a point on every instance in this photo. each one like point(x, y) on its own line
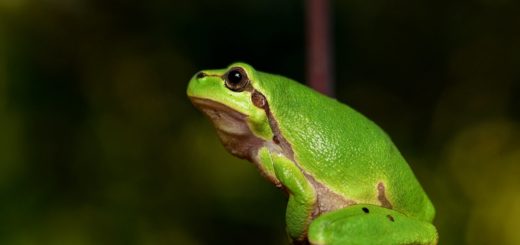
point(319, 47)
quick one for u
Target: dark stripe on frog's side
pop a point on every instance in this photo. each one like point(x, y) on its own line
point(381, 196)
point(327, 200)
point(260, 101)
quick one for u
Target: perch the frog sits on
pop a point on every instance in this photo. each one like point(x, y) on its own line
point(346, 180)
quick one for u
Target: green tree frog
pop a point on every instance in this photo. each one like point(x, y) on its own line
point(347, 182)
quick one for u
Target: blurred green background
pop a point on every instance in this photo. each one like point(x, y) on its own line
point(99, 144)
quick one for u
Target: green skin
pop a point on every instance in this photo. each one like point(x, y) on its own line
point(346, 180)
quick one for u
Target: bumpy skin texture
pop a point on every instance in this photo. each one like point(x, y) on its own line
point(328, 157)
point(343, 149)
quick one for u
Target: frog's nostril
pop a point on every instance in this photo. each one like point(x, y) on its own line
point(201, 75)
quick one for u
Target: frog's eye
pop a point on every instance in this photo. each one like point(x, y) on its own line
point(236, 79)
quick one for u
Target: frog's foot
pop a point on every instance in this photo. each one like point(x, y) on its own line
point(370, 224)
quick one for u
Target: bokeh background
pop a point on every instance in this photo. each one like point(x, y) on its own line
point(99, 144)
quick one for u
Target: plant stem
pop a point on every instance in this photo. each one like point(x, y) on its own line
point(319, 46)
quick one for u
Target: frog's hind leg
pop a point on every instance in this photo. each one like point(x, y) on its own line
point(370, 224)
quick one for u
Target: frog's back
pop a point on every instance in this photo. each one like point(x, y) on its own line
point(344, 150)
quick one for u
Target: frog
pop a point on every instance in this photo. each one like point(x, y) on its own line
point(347, 183)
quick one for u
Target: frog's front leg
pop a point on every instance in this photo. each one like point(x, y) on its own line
point(370, 224)
point(302, 196)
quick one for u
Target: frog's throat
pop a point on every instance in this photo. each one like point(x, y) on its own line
point(231, 126)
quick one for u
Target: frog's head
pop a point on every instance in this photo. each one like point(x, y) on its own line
point(229, 97)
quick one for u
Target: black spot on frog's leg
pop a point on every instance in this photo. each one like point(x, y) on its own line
point(381, 196)
point(365, 209)
point(390, 217)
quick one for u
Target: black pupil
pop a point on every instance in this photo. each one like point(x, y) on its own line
point(234, 77)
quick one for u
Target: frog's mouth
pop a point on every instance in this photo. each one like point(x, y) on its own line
point(231, 126)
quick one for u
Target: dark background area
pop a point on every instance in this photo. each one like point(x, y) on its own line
point(99, 144)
